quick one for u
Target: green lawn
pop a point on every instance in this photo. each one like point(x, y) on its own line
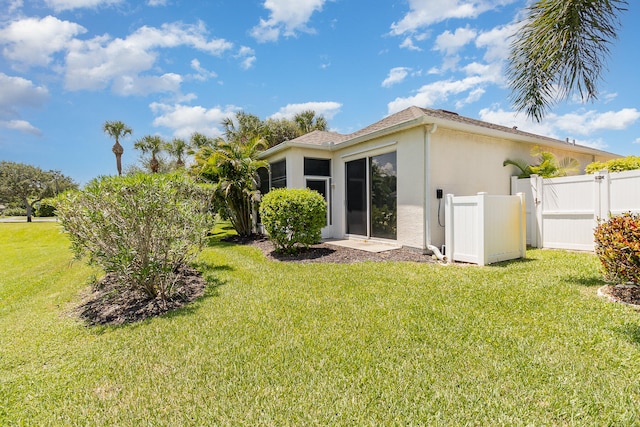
point(520, 343)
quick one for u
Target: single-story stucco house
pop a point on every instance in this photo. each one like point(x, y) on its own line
point(387, 181)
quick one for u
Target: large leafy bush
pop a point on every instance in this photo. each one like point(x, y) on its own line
point(615, 165)
point(293, 217)
point(618, 248)
point(141, 228)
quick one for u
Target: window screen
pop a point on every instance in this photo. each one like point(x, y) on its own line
point(317, 167)
point(279, 174)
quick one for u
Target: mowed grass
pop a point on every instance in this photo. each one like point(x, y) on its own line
point(519, 343)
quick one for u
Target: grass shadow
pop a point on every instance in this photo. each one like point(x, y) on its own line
point(630, 331)
point(206, 268)
point(511, 262)
point(210, 291)
point(591, 281)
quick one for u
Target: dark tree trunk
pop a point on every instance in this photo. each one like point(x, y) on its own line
point(27, 205)
point(118, 150)
point(154, 164)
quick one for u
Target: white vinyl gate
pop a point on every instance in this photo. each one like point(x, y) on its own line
point(563, 212)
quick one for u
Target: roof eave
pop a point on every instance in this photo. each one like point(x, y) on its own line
point(418, 121)
point(444, 123)
point(520, 137)
point(291, 144)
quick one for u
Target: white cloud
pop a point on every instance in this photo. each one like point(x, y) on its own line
point(598, 144)
point(584, 123)
point(33, 41)
point(16, 92)
point(247, 56)
point(248, 62)
point(327, 109)
point(423, 13)
point(102, 61)
point(472, 87)
point(202, 73)
point(13, 6)
point(474, 95)
point(184, 120)
point(407, 43)
point(433, 93)
point(587, 122)
point(511, 119)
point(496, 42)
point(637, 141)
point(396, 75)
point(144, 85)
point(21, 126)
point(60, 5)
point(286, 17)
point(450, 43)
point(155, 3)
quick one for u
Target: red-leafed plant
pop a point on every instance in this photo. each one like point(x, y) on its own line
point(618, 248)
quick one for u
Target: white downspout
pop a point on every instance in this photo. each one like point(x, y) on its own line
point(426, 235)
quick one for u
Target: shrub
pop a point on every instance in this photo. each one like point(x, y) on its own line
point(45, 208)
point(142, 228)
point(618, 248)
point(293, 217)
point(14, 211)
point(615, 165)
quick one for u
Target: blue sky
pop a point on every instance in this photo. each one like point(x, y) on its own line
point(172, 67)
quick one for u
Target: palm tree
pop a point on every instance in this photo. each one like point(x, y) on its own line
point(233, 166)
point(151, 144)
point(561, 47)
point(548, 165)
point(245, 127)
point(308, 122)
point(116, 130)
point(177, 148)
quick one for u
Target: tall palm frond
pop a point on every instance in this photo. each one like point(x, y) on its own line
point(561, 47)
point(522, 165)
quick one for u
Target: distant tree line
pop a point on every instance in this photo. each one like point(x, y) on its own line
point(27, 186)
point(161, 155)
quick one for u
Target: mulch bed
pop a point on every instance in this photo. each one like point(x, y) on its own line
point(329, 253)
point(107, 304)
point(627, 294)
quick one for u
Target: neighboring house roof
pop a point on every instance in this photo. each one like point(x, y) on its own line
point(416, 116)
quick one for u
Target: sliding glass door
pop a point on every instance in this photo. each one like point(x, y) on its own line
point(357, 195)
point(372, 196)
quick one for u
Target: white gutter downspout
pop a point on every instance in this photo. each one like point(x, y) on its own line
point(426, 235)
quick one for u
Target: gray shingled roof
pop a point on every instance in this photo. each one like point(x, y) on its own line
point(320, 137)
point(441, 117)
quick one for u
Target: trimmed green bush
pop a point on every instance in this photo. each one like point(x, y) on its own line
point(293, 218)
point(618, 248)
point(615, 165)
point(141, 228)
point(45, 208)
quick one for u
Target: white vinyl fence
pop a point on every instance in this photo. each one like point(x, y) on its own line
point(485, 229)
point(563, 212)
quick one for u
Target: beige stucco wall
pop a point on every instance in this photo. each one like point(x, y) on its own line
point(408, 148)
point(296, 178)
point(460, 163)
point(465, 164)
